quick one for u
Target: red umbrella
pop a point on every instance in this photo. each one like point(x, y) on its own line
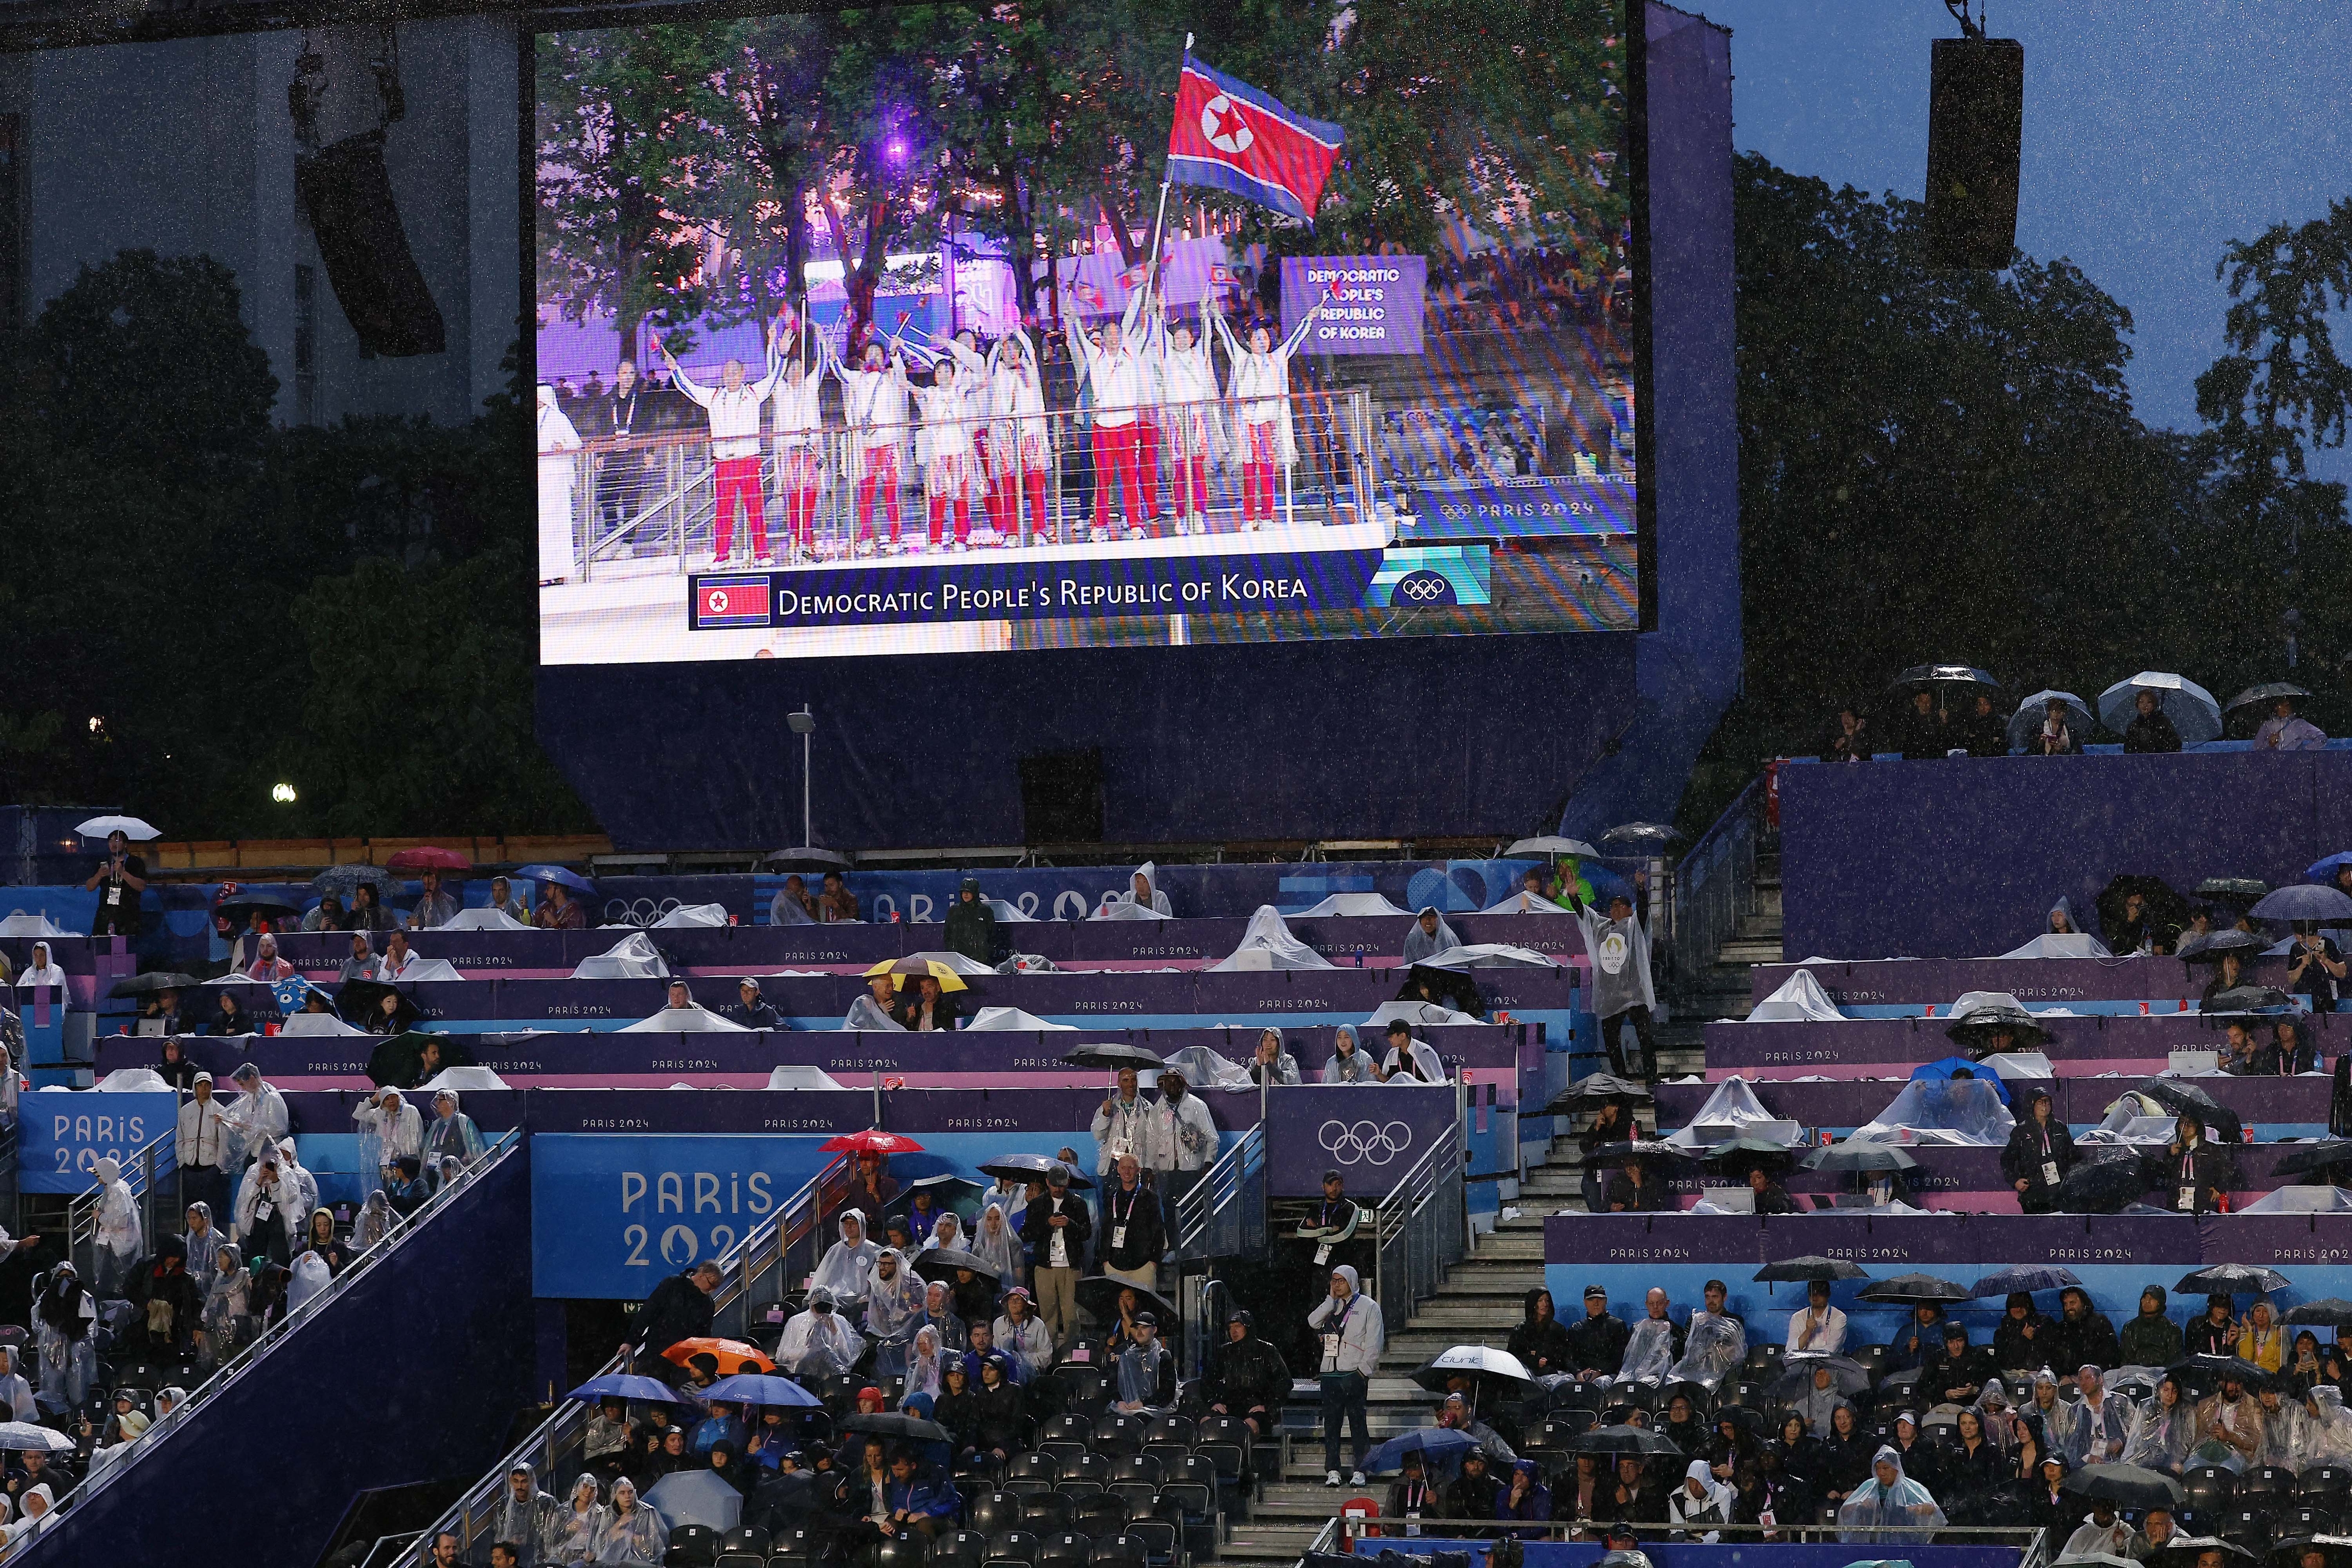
point(427, 857)
point(873, 1140)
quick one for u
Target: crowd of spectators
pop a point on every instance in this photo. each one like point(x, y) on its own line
point(1929, 724)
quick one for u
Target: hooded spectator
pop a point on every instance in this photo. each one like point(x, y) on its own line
point(2039, 1153)
point(453, 1132)
point(1541, 1341)
point(971, 924)
point(819, 1342)
point(1428, 934)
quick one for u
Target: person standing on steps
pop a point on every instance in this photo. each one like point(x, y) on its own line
point(1347, 1324)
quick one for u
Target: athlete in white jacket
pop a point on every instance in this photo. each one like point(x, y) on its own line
point(1188, 413)
point(873, 401)
point(799, 450)
point(1119, 373)
point(734, 408)
point(1020, 454)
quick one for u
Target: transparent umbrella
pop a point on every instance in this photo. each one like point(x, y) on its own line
point(2190, 707)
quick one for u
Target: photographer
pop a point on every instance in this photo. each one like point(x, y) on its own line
point(118, 880)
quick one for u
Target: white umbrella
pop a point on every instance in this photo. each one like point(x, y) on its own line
point(130, 828)
point(15, 1437)
point(2027, 719)
point(1552, 844)
point(2190, 707)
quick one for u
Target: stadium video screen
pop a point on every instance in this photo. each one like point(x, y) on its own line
point(1071, 325)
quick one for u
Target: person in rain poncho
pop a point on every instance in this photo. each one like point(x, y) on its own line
point(1455, 1415)
point(202, 1240)
point(2320, 1431)
point(2164, 1430)
point(452, 1132)
point(631, 1532)
point(1271, 1064)
point(36, 1502)
point(1650, 1348)
point(41, 969)
point(877, 1011)
point(2284, 730)
point(1350, 1062)
point(1146, 1372)
point(894, 1306)
point(374, 1222)
point(946, 1234)
point(1701, 1501)
point(1022, 1334)
point(1889, 1507)
point(847, 1264)
point(269, 1212)
point(525, 1516)
point(1143, 891)
point(310, 1278)
point(571, 1532)
point(998, 1245)
point(791, 904)
point(939, 1312)
point(2056, 1421)
point(1428, 933)
point(389, 1128)
point(1714, 1344)
point(2060, 921)
point(971, 924)
point(229, 1308)
point(924, 1364)
point(2103, 1420)
point(304, 1184)
point(1621, 980)
point(15, 1392)
point(64, 1314)
point(1818, 1404)
point(2100, 1531)
point(119, 1241)
point(559, 461)
point(818, 1342)
point(1409, 1060)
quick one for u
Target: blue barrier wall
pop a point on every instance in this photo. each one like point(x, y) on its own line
point(413, 1376)
point(1963, 857)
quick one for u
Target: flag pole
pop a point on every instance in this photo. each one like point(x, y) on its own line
point(1152, 264)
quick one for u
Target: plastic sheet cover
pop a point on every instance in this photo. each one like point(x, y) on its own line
point(1965, 1112)
point(1009, 912)
point(695, 1019)
point(632, 957)
point(1005, 1020)
point(693, 915)
point(1349, 905)
point(2051, 945)
point(19, 924)
point(1799, 1000)
point(801, 1078)
point(2291, 1200)
point(1524, 903)
point(1733, 1101)
point(483, 919)
point(1203, 1069)
point(1414, 1013)
point(1266, 943)
point(317, 1023)
point(1712, 1348)
point(133, 1080)
point(465, 1079)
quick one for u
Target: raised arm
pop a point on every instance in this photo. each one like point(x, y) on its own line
point(1299, 333)
point(1224, 332)
point(685, 383)
point(966, 358)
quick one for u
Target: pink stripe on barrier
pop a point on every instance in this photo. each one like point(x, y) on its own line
point(2077, 1067)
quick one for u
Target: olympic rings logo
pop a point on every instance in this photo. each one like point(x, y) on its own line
point(640, 913)
point(1424, 587)
point(1364, 1143)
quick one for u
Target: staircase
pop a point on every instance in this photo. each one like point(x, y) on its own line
point(1722, 990)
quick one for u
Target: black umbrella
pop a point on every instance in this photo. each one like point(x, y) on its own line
point(1098, 1294)
point(2237, 1278)
point(1792, 1270)
point(2328, 1311)
point(2101, 1185)
point(153, 981)
point(1749, 1150)
point(912, 1429)
point(2305, 1158)
point(2248, 1001)
point(1976, 1029)
point(362, 1003)
point(941, 1264)
point(2026, 1277)
point(1915, 1289)
point(397, 1062)
point(2244, 944)
point(2127, 1486)
point(1946, 681)
point(1632, 1152)
point(2232, 889)
point(2187, 1549)
point(342, 881)
point(1650, 838)
point(1111, 1057)
point(1030, 1167)
point(1850, 1376)
point(1591, 1092)
point(2182, 1100)
point(1636, 1442)
point(2221, 1369)
point(1850, 1155)
point(2166, 911)
point(2266, 694)
point(269, 906)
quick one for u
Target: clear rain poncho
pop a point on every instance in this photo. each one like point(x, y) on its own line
point(1420, 944)
point(1355, 1067)
point(846, 1264)
point(1124, 905)
point(632, 1532)
point(374, 1222)
point(819, 1345)
point(453, 1132)
point(996, 1245)
point(1957, 1112)
point(866, 1014)
point(923, 1365)
point(894, 1299)
point(1266, 943)
point(525, 1521)
point(2320, 1431)
point(1713, 1347)
point(1883, 1510)
point(2160, 1438)
point(571, 1532)
point(310, 1279)
point(1649, 1352)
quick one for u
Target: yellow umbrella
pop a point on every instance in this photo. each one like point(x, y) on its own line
point(899, 968)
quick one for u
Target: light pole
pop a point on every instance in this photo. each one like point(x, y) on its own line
point(804, 724)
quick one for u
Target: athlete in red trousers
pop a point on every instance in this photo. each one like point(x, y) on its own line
point(734, 410)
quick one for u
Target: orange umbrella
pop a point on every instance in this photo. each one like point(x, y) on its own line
point(733, 1355)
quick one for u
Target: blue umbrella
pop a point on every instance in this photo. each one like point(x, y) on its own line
point(1943, 1070)
point(760, 1388)
point(571, 879)
point(2027, 1278)
point(694, 1497)
point(2324, 870)
point(2304, 900)
point(1432, 1443)
point(621, 1385)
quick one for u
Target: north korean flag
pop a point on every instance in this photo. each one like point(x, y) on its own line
point(730, 601)
point(1231, 137)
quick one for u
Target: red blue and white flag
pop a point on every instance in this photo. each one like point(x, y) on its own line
point(1231, 137)
point(730, 601)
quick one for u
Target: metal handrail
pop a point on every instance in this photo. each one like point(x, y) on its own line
point(1420, 1225)
point(121, 1456)
point(764, 1251)
point(145, 1171)
point(1714, 887)
point(2028, 1537)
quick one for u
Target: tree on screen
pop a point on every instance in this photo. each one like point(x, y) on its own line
point(771, 152)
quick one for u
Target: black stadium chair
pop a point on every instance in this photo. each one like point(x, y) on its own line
point(1086, 1385)
point(796, 1547)
point(2248, 1527)
point(1090, 1469)
point(1025, 1475)
point(2210, 1487)
point(957, 1548)
point(739, 1560)
point(1100, 1518)
point(1117, 1435)
point(1045, 1513)
point(995, 1514)
point(2267, 1481)
point(1014, 1546)
point(693, 1544)
point(900, 1552)
point(1068, 1549)
point(2326, 1481)
point(1121, 1552)
point(2306, 1521)
point(1177, 1429)
point(747, 1538)
point(1763, 1362)
point(1158, 1537)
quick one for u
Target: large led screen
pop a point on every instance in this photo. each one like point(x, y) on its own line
point(1071, 324)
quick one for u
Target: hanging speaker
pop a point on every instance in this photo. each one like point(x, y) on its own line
point(348, 193)
point(1975, 116)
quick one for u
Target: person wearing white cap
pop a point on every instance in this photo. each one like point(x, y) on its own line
point(1347, 1324)
point(203, 1146)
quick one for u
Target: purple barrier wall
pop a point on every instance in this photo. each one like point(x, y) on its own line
point(1969, 1180)
point(2168, 984)
point(1964, 856)
point(1370, 1139)
point(2082, 1046)
point(2082, 1101)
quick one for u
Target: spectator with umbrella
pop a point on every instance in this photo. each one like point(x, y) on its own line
point(2149, 730)
point(1818, 1328)
point(1849, 738)
point(2285, 729)
point(121, 879)
point(1979, 727)
point(677, 1309)
point(2024, 1336)
point(2193, 1174)
point(1613, 1122)
point(558, 909)
point(2188, 707)
point(2056, 734)
point(1411, 1498)
point(1919, 731)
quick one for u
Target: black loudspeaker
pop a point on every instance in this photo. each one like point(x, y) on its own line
point(1975, 113)
point(1061, 797)
point(348, 196)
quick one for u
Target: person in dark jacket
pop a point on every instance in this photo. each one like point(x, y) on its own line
point(1922, 1339)
point(1412, 1495)
point(2041, 1152)
point(679, 1308)
point(2291, 1050)
point(997, 1408)
point(1597, 1342)
point(1636, 1189)
point(1846, 1455)
point(971, 924)
point(1247, 1376)
point(1919, 728)
point(170, 1308)
point(2083, 1334)
point(1474, 1493)
point(1959, 1371)
point(2192, 1173)
point(2215, 1333)
point(1771, 1197)
point(1980, 729)
point(1974, 1468)
point(1636, 1494)
point(1128, 1234)
point(2023, 1338)
point(1611, 1124)
point(1770, 1494)
point(926, 1006)
point(1540, 1340)
point(2149, 730)
point(2048, 1505)
point(2150, 1339)
point(1803, 1455)
point(758, 1011)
